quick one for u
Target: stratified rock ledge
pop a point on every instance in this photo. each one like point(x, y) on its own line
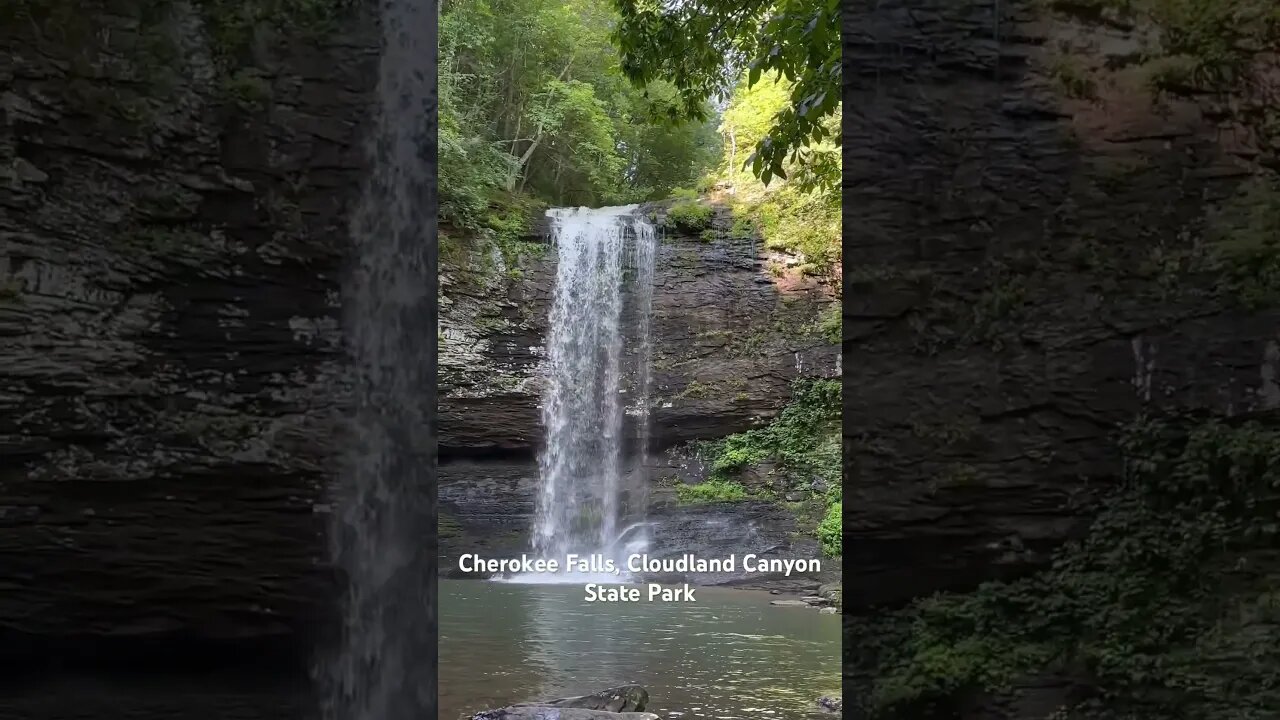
point(621, 699)
point(618, 703)
point(549, 712)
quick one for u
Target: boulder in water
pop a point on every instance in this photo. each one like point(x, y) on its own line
point(831, 592)
point(621, 699)
point(551, 712)
point(830, 703)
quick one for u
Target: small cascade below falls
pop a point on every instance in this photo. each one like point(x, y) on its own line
point(588, 503)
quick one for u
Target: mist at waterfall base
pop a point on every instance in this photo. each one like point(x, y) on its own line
point(596, 373)
point(382, 530)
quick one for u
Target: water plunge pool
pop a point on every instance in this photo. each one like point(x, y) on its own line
point(730, 655)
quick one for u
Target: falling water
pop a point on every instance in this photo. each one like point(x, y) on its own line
point(381, 540)
point(645, 245)
point(586, 502)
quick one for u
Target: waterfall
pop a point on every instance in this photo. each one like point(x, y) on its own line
point(384, 667)
point(646, 245)
point(587, 503)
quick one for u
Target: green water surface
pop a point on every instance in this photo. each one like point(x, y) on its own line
point(730, 655)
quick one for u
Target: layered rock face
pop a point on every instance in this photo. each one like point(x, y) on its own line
point(171, 244)
point(728, 339)
point(1027, 281)
point(1035, 270)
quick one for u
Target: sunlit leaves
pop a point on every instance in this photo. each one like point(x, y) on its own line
point(700, 48)
point(533, 102)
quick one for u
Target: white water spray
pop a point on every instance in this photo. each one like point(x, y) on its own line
point(587, 504)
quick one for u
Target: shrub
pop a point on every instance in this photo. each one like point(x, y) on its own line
point(830, 530)
point(689, 216)
point(830, 325)
point(743, 227)
point(805, 437)
point(1159, 600)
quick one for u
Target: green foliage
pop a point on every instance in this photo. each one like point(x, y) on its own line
point(1245, 241)
point(711, 491)
point(830, 325)
point(831, 529)
point(743, 227)
point(1073, 78)
point(1221, 50)
point(689, 216)
point(800, 216)
point(804, 439)
point(533, 106)
point(1159, 604)
point(802, 223)
point(689, 45)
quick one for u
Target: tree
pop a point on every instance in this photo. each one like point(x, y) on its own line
point(534, 109)
point(701, 46)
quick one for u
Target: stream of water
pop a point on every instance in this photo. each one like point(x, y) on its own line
point(587, 501)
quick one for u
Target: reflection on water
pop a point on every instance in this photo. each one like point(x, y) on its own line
point(729, 655)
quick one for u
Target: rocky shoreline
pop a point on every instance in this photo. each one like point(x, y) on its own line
point(625, 702)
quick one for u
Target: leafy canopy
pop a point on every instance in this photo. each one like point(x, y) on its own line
point(701, 46)
point(534, 109)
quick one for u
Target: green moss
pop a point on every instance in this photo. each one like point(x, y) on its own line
point(946, 431)
point(494, 238)
point(695, 389)
point(689, 216)
point(711, 491)
point(448, 526)
point(708, 235)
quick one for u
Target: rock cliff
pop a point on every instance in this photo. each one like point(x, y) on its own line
point(172, 232)
point(1032, 280)
point(1038, 267)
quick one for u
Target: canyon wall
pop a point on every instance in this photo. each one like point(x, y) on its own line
point(172, 235)
point(1029, 239)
